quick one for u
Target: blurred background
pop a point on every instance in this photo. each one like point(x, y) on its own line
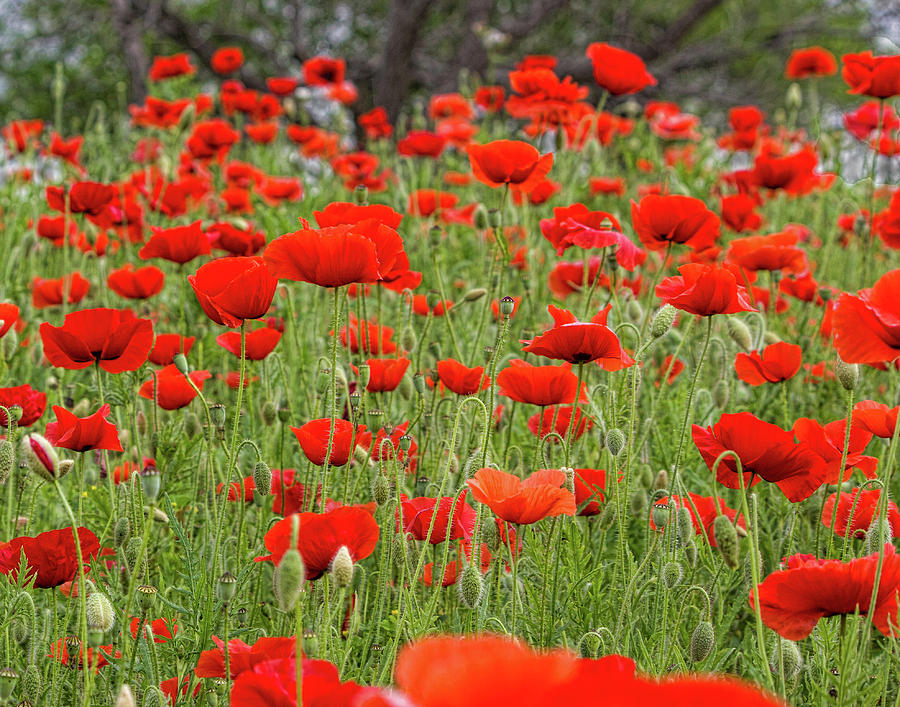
point(705, 53)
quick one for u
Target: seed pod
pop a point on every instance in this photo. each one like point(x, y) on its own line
point(721, 394)
point(590, 644)
point(288, 579)
point(703, 640)
point(739, 333)
point(361, 195)
point(150, 480)
point(419, 383)
point(226, 587)
point(8, 680)
point(495, 218)
point(660, 515)
point(847, 374)
point(7, 460)
point(727, 541)
point(217, 414)
point(470, 586)
point(662, 321)
point(122, 531)
point(342, 567)
point(672, 574)
point(146, 595)
point(99, 612)
point(268, 413)
point(507, 305)
point(615, 441)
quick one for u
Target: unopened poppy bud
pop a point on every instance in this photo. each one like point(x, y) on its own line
point(8, 680)
point(125, 698)
point(569, 483)
point(7, 460)
point(381, 490)
point(435, 348)
point(470, 586)
point(99, 612)
point(660, 515)
point(672, 574)
point(82, 408)
point(727, 541)
point(15, 413)
point(217, 414)
point(361, 195)
point(495, 218)
point(791, 659)
point(284, 412)
point(615, 441)
point(140, 421)
point(122, 531)
point(770, 338)
point(875, 537)
point(364, 375)
point(150, 479)
point(474, 294)
point(690, 553)
point(847, 374)
point(288, 579)
point(40, 457)
point(720, 394)
point(638, 502)
point(490, 534)
point(226, 587)
point(408, 339)
point(180, 361)
point(634, 311)
point(268, 413)
point(703, 640)
point(590, 644)
point(146, 595)
point(419, 383)
point(685, 526)
point(323, 381)
point(32, 683)
point(262, 478)
point(794, 97)
point(608, 517)
point(824, 292)
point(662, 321)
point(10, 344)
point(480, 217)
point(661, 480)
point(435, 235)
point(507, 305)
point(739, 333)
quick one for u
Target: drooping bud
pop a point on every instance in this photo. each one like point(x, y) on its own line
point(727, 541)
point(615, 441)
point(662, 321)
point(794, 98)
point(180, 361)
point(770, 338)
point(685, 526)
point(342, 567)
point(721, 394)
point(703, 640)
point(141, 423)
point(7, 460)
point(470, 586)
point(638, 502)
point(739, 333)
point(847, 374)
point(268, 413)
point(226, 587)
point(608, 517)
point(288, 579)
point(590, 644)
point(122, 531)
point(40, 457)
point(10, 344)
point(634, 311)
point(791, 659)
point(672, 574)
point(474, 294)
point(408, 339)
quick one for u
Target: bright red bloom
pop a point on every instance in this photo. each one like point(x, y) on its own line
point(33, 403)
point(89, 198)
point(663, 219)
point(867, 325)
point(180, 244)
point(523, 502)
point(323, 71)
point(810, 61)
point(511, 162)
point(876, 418)
point(81, 434)
point(461, 379)
point(580, 342)
point(231, 290)
point(227, 60)
point(490, 98)
point(869, 118)
point(792, 601)
point(174, 390)
point(51, 556)
point(589, 487)
point(136, 283)
point(163, 630)
point(339, 213)
point(66, 149)
point(618, 71)
point(241, 656)
point(539, 385)
point(607, 185)
point(776, 363)
point(777, 251)
point(313, 438)
point(738, 213)
point(93, 657)
point(419, 512)
point(166, 67)
point(425, 202)
point(421, 143)
point(259, 342)
point(115, 339)
point(828, 442)
point(704, 290)
point(49, 293)
point(281, 85)
point(387, 446)
point(856, 511)
point(385, 374)
point(368, 337)
point(766, 451)
point(375, 123)
point(793, 173)
point(167, 345)
point(555, 418)
point(322, 535)
point(875, 76)
point(273, 683)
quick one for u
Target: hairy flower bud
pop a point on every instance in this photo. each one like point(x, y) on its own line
point(727, 541)
point(590, 645)
point(125, 698)
point(7, 460)
point(40, 457)
point(672, 574)
point(661, 481)
point(721, 394)
point(470, 586)
point(791, 659)
point(739, 333)
point(288, 579)
point(342, 567)
point(703, 640)
point(638, 502)
point(32, 683)
point(122, 531)
point(268, 413)
point(634, 311)
point(685, 526)
point(615, 441)
point(480, 217)
point(847, 374)
point(262, 478)
point(99, 612)
point(662, 321)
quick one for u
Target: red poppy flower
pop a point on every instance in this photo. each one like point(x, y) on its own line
point(33, 403)
point(420, 307)
point(375, 123)
point(368, 337)
point(455, 567)
point(870, 117)
point(81, 434)
point(856, 511)
point(227, 60)
point(288, 492)
point(704, 516)
point(180, 244)
point(810, 61)
point(421, 143)
point(792, 173)
point(867, 325)
point(115, 339)
point(163, 630)
point(367, 251)
point(174, 390)
point(167, 345)
point(775, 364)
point(385, 374)
point(607, 185)
point(313, 438)
point(704, 290)
point(792, 601)
point(875, 76)
point(828, 442)
point(490, 98)
point(523, 502)
point(539, 385)
point(339, 213)
point(618, 71)
point(93, 657)
point(323, 71)
point(231, 290)
point(460, 379)
point(88, 198)
point(51, 556)
point(387, 446)
point(66, 149)
point(511, 162)
point(212, 139)
point(233, 240)
point(738, 213)
point(166, 67)
point(241, 656)
point(555, 418)
point(419, 512)
point(590, 485)
point(876, 418)
point(281, 85)
point(322, 535)
point(242, 490)
point(777, 251)
point(663, 219)
point(139, 283)
point(580, 342)
point(766, 451)
point(259, 342)
point(425, 202)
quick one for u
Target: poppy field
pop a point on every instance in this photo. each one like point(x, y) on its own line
point(546, 394)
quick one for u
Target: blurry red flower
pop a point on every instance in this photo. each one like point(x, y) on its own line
point(738, 213)
point(461, 379)
point(867, 325)
point(777, 251)
point(33, 403)
point(241, 656)
point(590, 485)
point(136, 283)
point(421, 143)
point(556, 418)
point(49, 293)
point(167, 345)
point(793, 173)
point(490, 98)
point(523, 502)
point(323, 71)
point(174, 390)
point(179, 244)
point(876, 418)
point(385, 374)
point(375, 123)
point(166, 67)
point(511, 162)
point(231, 290)
point(810, 61)
point(618, 71)
point(875, 76)
point(259, 342)
point(115, 339)
point(227, 60)
point(368, 337)
point(856, 511)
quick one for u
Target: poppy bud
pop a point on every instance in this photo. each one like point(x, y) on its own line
point(262, 478)
point(146, 595)
point(608, 517)
point(685, 526)
point(703, 640)
point(180, 361)
point(720, 394)
point(419, 383)
point(288, 579)
point(770, 338)
point(141, 423)
point(32, 683)
point(662, 321)
point(10, 344)
point(52, 384)
point(8, 680)
point(638, 502)
point(590, 644)
point(381, 489)
point(690, 553)
point(480, 217)
point(435, 348)
point(40, 457)
point(284, 412)
point(495, 218)
point(645, 476)
point(82, 408)
point(507, 305)
point(474, 294)
point(661, 481)
point(794, 98)
point(268, 413)
point(569, 483)
point(99, 612)
point(361, 195)
point(634, 311)
point(660, 515)
point(727, 541)
point(739, 333)
point(875, 536)
point(122, 531)
point(434, 236)
point(150, 478)
point(125, 698)
point(615, 441)
point(490, 534)
point(217, 414)
point(672, 574)
point(226, 587)
point(847, 374)
point(470, 586)
point(791, 660)
point(7, 460)
point(408, 339)
point(403, 548)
